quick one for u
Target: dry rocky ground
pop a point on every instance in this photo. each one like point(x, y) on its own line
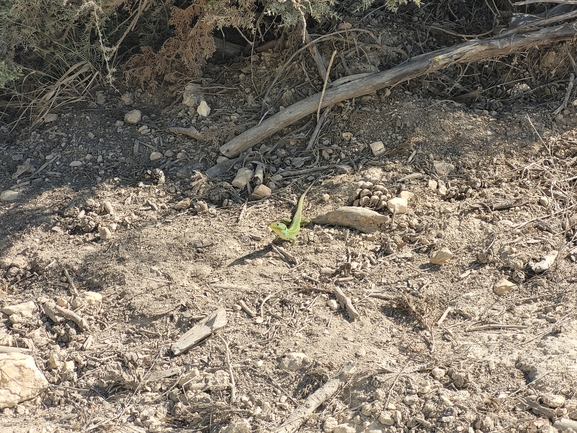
point(117, 244)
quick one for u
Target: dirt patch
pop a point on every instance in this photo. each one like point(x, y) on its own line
point(435, 348)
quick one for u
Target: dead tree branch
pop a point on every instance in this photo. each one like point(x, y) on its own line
point(471, 51)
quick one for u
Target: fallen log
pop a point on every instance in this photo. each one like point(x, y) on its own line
point(471, 51)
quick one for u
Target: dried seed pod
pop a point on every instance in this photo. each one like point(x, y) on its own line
point(357, 193)
point(382, 203)
point(379, 187)
point(377, 193)
point(368, 185)
point(374, 201)
point(365, 192)
point(364, 201)
point(356, 202)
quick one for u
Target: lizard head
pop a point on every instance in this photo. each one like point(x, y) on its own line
point(280, 229)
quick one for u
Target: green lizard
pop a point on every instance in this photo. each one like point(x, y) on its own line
point(290, 233)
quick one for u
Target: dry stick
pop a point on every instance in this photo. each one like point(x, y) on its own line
point(471, 51)
point(71, 315)
point(298, 417)
point(317, 57)
point(346, 302)
point(495, 326)
point(325, 85)
point(228, 364)
point(247, 309)
point(73, 288)
point(46, 164)
point(567, 95)
point(317, 130)
point(528, 2)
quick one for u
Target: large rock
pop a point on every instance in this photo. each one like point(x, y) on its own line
point(20, 379)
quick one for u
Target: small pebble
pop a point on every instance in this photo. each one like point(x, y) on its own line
point(260, 192)
point(386, 418)
point(104, 233)
point(155, 155)
point(438, 373)
point(440, 257)
point(182, 204)
point(243, 176)
point(8, 195)
point(397, 205)
point(330, 424)
point(203, 109)
point(75, 164)
point(133, 117)
point(503, 286)
point(553, 400)
point(378, 148)
point(333, 304)
point(411, 399)
point(544, 201)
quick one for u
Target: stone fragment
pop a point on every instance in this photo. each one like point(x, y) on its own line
point(440, 257)
point(545, 262)
point(261, 192)
point(330, 424)
point(133, 117)
point(182, 204)
point(411, 399)
point(386, 418)
point(564, 424)
point(366, 409)
point(294, 361)
point(243, 176)
point(155, 156)
point(203, 109)
point(433, 184)
point(344, 428)
point(108, 207)
point(25, 309)
point(54, 361)
point(104, 233)
point(75, 164)
point(92, 298)
point(378, 148)
point(443, 168)
point(20, 379)
point(407, 195)
point(333, 304)
point(438, 373)
point(192, 95)
point(503, 286)
point(397, 205)
point(187, 378)
point(8, 195)
point(553, 400)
